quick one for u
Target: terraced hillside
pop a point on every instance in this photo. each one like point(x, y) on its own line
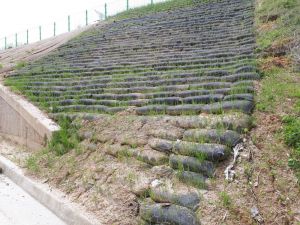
point(187, 61)
point(151, 86)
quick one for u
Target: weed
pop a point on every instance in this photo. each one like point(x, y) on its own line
point(20, 65)
point(225, 199)
point(32, 163)
point(277, 85)
point(292, 131)
point(65, 139)
point(180, 168)
point(131, 178)
point(291, 134)
point(124, 154)
point(79, 149)
point(201, 156)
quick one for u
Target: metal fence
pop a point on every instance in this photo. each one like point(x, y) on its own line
point(71, 22)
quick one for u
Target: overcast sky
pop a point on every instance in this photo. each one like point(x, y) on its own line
point(16, 16)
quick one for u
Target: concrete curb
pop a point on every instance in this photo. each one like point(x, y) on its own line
point(51, 199)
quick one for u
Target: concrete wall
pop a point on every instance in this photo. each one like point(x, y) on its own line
point(22, 122)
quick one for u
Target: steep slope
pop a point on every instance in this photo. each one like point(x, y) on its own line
point(163, 77)
point(187, 61)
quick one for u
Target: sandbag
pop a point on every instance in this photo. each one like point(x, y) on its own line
point(168, 214)
point(191, 164)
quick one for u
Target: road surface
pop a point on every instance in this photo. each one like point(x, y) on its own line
point(19, 208)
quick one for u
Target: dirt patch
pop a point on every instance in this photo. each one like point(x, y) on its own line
point(267, 26)
point(263, 180)
point(269, 18)
point(281, 47)
point(271, 62)
point(13, 152)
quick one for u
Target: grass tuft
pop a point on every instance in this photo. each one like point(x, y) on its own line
point(66, 138)
point(32, 164)
point(225, 199)
point(291, 132)
point(20, 65)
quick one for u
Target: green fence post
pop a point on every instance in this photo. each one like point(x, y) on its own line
point(69, 23)
point(54, 29)
point(40, 29)
point(16, 40)
point(27, 36)
point(105, 11)
point(5, 43)
point(127, 5)
point(86, 18)
point(151, 2)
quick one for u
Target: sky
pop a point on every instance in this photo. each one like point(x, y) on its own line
point(16, 16)
point(20, 15)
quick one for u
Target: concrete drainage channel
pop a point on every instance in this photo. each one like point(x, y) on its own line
point(23, 123)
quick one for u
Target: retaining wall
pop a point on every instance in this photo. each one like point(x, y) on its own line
point(22, 122)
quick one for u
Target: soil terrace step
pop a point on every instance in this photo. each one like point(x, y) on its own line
point(136, 70)
point(127, 79)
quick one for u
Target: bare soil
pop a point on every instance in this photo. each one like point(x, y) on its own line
point(263, 180)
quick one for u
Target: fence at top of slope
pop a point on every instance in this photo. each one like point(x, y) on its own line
point(71, 22)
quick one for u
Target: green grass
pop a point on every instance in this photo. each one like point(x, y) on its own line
point(291, 134)
point(280, 88)
point(155, 8)
point(285, 26)
point(65, 139)
point(201, 156)
point(225, 200)
point(277, 85)
point(20, 65)
point(32, 164)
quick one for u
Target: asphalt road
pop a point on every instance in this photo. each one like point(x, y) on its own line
point(19, 208)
